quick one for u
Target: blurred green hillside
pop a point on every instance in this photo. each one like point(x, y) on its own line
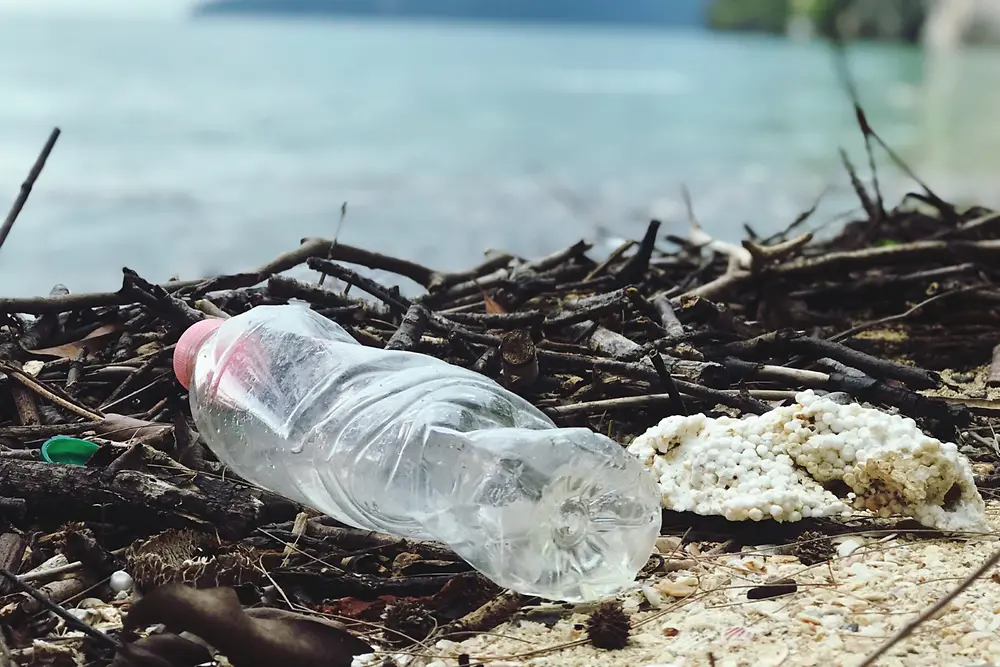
point(895, 20)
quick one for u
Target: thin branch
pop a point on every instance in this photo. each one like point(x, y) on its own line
point(29, 183)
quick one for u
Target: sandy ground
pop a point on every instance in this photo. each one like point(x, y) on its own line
point(694, 611)
point(842, 611)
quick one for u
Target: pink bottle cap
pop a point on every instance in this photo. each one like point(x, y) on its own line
point(187, 348)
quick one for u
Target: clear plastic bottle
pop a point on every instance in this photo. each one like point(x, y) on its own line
point(410, 445)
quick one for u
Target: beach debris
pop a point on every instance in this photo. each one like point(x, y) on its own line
point(772, 590)
point(813, 547)
point(407, 622)
point(608, 626)
point(255, 637)
point(781, 465)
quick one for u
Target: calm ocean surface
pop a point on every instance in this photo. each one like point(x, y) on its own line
point(198, 147)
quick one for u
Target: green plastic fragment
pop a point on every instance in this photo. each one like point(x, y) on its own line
point(67, 450)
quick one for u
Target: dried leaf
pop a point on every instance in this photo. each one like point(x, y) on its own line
point(351, 607)
point(491, 305)
point(90, 342)
point(122, 428)
point(164, 650)
point(248, 638)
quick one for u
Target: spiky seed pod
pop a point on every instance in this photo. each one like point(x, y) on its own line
point(814, 547)
point(608, 627)
point(407, 621)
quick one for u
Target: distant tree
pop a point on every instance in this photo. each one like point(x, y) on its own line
point(852, 19)
point(769, 16)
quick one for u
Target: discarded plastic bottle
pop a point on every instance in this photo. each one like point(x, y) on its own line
point(410, 445)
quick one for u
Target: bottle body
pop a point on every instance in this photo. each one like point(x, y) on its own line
point(408, 444)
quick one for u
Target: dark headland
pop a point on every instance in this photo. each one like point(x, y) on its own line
point(653, 13)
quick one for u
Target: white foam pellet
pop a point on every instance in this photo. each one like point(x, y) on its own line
point(120, 581)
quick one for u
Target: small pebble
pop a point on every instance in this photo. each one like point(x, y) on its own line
point(675, 589)
point(653, 596)
point(848, 547)
point(668, 544)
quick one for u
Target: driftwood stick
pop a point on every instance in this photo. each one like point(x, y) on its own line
point(761, 346)
point(62, 303)
point(28, 184)
point(341, 252)
point(397, 303)
point(696, 309)
point(490, 615)
point(668, 382)
point(582, 310)
point(45, 392)
point(880, 280)
point(985, 252)
point(747, 370)
point(774, 342)
point(159, 300)
point(500, 321)
point(140, 373)
point(728, 281)
point(519, 359)
point(647, 373)
point(668, 319)
point(613, 344)
point(609, 404)
point(497, 263)
point(858, 385)
point(764, 255)
point(475, 286)
point(615, 255)
point(916, 378)
point(285, 287)
point(52, 490)
point(410, 329)
point(419, 274)
point(636, 268)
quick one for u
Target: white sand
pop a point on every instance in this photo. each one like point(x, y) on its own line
point(841, 612)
